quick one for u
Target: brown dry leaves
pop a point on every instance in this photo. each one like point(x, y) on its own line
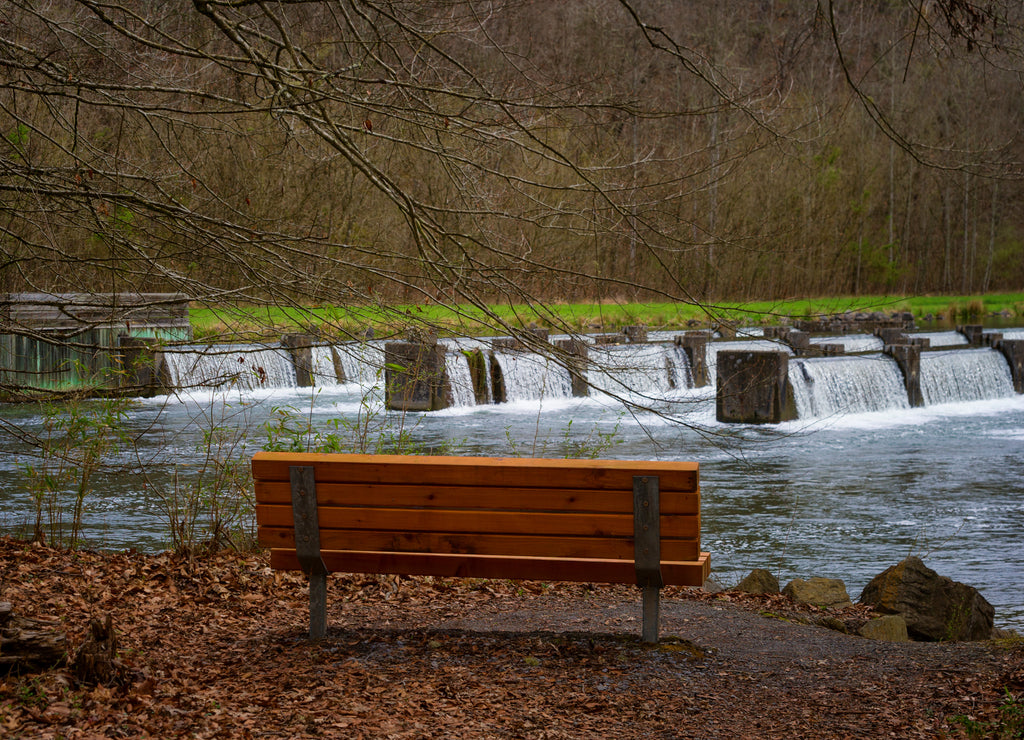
point(217, 648)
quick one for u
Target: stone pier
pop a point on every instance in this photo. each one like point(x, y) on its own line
point(695, 345)
point(753, 388)
point(974, 332)
point(415, 377)
point(478, 373)
point(576, 358)
point(1013, 350)
point(300, 347)
point(142, 366)
point(635, 334)
point(908, 357)
point(892, 335)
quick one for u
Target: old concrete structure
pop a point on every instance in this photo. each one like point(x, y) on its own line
point(1013, 350)
point(576, 357)
point(300, 347)
point(75, 341)
point(753, 388)
point(695, 345)
point(415, 377)
point(908, 357)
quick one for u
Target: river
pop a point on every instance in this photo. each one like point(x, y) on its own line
point(841, 495)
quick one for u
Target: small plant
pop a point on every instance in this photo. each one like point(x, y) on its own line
point(595, 444)
point(1008, 724)
point(32, 694)
point(209, 505)
point(373, 431)
point(77, 436)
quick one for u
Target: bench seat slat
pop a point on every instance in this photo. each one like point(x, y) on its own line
point(466, 497)
point(620, 548)
point(494, 522)
point(476, 471)
point(692, 573)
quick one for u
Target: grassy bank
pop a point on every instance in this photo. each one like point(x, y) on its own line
point(245, 321)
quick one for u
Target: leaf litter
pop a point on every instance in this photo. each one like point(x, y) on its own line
point(217, 648)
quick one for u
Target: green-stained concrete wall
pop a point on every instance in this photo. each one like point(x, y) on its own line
point(70, 341)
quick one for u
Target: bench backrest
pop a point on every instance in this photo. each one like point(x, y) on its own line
point(537, 519)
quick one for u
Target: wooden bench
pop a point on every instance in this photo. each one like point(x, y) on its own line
point(590, 521)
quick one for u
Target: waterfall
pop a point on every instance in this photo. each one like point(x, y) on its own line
point(529, 376)
point(964, 375)
point(845, 385)
point(361, 362)
point(646, 369)
point(324, 372)
point(459, 379)
point(942, 338)
point(853, 342)
point(245, 367)
point(1011, 333)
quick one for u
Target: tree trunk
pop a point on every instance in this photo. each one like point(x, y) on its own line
point(28, 643)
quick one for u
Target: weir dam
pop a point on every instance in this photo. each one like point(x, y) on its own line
point(778, 376)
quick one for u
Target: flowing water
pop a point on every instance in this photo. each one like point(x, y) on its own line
point(846, 385)
point(856, 484)
point(964, 375)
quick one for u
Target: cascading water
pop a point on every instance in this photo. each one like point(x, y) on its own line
point(324, 372)
point(964, 375)
point(843, 385)
point(246, 367)
point(529, 376)
point(644, 369)
point(853, 342)
point(459, 378)
point(942, 338)
point(361, 362)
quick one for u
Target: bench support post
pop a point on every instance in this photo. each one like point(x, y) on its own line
point(307, 546)
point(647, 546)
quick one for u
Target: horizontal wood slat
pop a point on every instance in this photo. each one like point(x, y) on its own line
point(477, 544)
point(555, 498)
point(477, 471)
point(481, 566)
point(493, 522)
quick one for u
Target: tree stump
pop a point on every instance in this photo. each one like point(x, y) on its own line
point(95, 661)
point(29, 644)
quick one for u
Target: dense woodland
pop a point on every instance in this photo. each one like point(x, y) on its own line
point(517, 150)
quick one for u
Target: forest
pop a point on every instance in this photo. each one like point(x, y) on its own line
point(307, 152)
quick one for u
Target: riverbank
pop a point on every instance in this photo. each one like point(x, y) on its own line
point(215, 647)
point(238, 322)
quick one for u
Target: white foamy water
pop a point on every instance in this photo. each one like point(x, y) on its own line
point(846, 385)
point(964, 375)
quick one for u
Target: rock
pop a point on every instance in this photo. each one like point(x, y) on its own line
point(832, 623)
point(823, 592)
point(935, 607)
point(890, 628)
point(759, 581)
point(712, 586)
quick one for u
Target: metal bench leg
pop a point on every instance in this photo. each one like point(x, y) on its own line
point(647, 549)
point(318, 605)
point(307, 546)
point(652, 609)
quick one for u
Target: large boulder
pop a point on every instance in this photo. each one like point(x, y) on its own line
point(889, 628)
point(759, 581)
point(935, 607)
point(823, 592)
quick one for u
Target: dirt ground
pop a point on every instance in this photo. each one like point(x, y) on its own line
point(216, 648)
